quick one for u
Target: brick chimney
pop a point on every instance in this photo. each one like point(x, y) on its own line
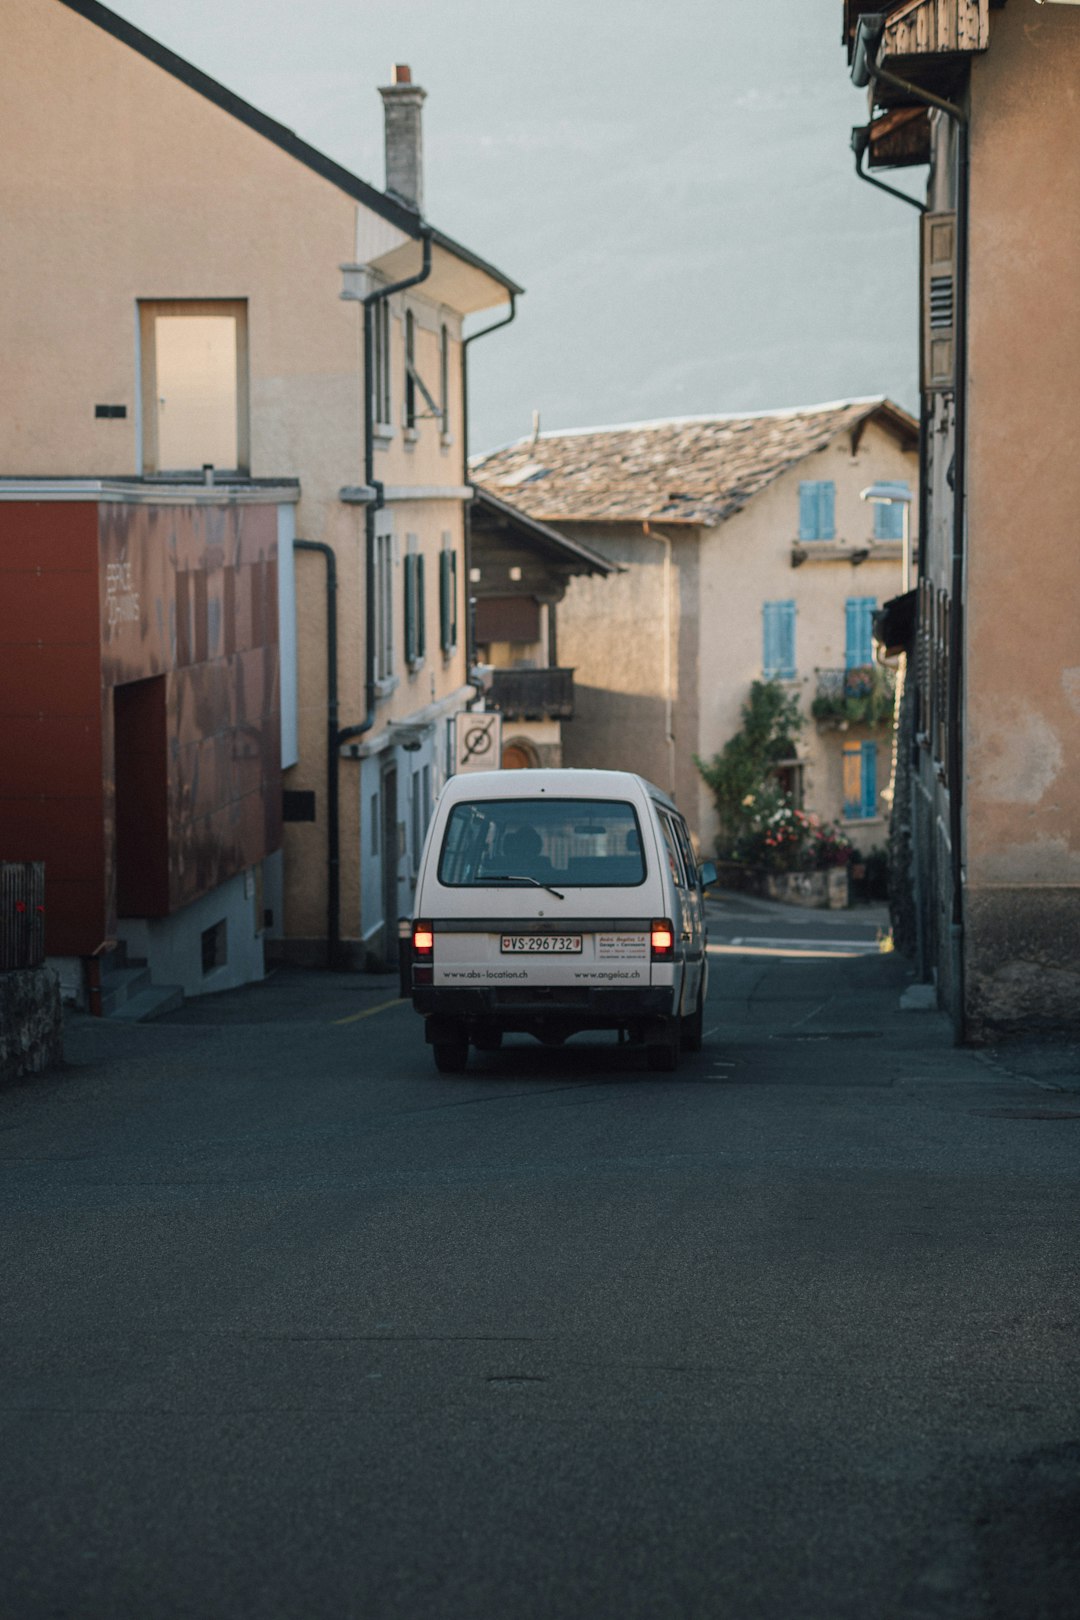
point(402, 101)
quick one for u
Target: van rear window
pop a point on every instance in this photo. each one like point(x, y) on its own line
point(571, 843)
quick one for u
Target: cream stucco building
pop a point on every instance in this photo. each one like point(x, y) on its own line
point(981, 92)
point(190, 292)
point(744, 550)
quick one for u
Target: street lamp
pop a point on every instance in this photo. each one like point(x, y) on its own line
point(895, 495)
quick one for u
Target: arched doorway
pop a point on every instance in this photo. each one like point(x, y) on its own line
point(518, 755)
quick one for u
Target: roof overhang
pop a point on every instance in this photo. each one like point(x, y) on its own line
point(457, 279)
point(571, 554)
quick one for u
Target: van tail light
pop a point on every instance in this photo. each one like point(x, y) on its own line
point(423, 941)
point(662, 938)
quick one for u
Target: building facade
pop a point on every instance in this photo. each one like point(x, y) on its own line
point(247, 310)
point(743, 552)
point(979, 88)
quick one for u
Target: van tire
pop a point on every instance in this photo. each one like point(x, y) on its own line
point(451, 1057)
point(692, 1025)
point(665, 1059)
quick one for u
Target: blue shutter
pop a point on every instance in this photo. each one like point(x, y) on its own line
point(817, 510)
point(771, 652)
point(808, 512)
point(786, 638)
point(889, 520)
point(859, 631)
point(869, 779)
point(826, 510)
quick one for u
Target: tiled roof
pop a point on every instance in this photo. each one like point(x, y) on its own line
point(691, 469)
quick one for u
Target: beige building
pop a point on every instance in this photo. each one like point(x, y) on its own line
point(744, 551)
point(190, 292)
point(977, 90)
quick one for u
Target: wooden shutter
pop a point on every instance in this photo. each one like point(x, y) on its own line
point(808, 512)
point(852, 780)
point(770, 659)
point(444, 600)
point(939, 302)
point(868, 805)
point(859, 631)
point(827, 510)
point(410, 607)
point(421, 614)
point(785, 617)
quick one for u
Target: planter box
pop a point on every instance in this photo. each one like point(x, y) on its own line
point(823, 891)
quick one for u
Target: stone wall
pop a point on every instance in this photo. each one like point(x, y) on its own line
point(31, 1022)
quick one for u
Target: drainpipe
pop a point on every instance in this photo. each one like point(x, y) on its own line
point(380, 295)
point(335, 734)
point(470, 624)
point(955, 759)
point(333, 835)
point(860, 142)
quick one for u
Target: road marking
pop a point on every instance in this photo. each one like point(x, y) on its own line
point(369, 1012)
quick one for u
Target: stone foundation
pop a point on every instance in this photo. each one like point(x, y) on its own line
point(31, 1022)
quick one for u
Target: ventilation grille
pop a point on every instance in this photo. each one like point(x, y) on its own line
point(941, 301)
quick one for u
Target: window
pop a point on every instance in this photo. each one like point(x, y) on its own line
point(817, 510)
point(410, 369)
point(573, 843)
point(859, 631)
point(448, 597)
point(889, 520)
point(194, 385)
point(860, 781)
point(415, 625)
point(778, 662)
point(444, 379)
point(384, 607)
point(380, 365)
point(674, 854)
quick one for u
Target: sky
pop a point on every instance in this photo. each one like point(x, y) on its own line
point(672, 185)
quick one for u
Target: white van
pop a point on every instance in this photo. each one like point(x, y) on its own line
point(554, 901)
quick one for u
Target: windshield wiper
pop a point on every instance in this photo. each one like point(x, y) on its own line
point(519, 877)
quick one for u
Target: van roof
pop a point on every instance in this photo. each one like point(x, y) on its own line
point(564, 783)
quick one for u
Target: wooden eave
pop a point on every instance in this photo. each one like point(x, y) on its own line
point(899, 138)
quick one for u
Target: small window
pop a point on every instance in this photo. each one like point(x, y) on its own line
point(384, 607)
point(817, 510)
point(674, 853)
point(778, 658)
point(572, 843)
point(859, 631)
point(410, 369)
point(860, 781)
point(194, 382)
point(215, 947)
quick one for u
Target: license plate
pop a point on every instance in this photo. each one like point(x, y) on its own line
point(541, 944)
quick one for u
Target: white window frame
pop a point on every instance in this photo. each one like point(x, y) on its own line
point(149, 311)
point(385, 672)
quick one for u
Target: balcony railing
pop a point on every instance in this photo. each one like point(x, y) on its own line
point(532, 694)
point(862, 695)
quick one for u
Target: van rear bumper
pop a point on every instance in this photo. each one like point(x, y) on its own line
point(588, 1006)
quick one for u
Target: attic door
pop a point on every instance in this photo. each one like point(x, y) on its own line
point(194, 385)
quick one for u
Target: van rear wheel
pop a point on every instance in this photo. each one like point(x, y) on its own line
point(451, 1057)
point(692, 1024)
point(665, 1059)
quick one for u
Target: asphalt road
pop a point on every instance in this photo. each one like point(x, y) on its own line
point(294, 1327)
